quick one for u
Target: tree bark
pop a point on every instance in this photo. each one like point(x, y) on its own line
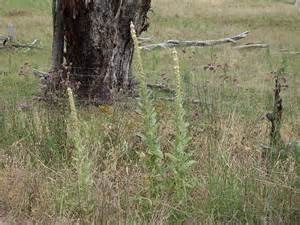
point(99, 48)
point(297, 2)
point(58, 35)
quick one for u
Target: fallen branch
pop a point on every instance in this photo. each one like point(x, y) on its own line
point(251, 46)
point(3, 39)
point(199, 43)
point(286, 52)
point(143, 40)
point(193, 101)
point(30, 45)
point(161, 87)
point(40, 74)
point(17, 45)
point(290, 53)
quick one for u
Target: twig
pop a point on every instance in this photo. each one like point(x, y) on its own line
point(144, 40)
point(16, 45)
point(30, 45)
point(4, 39)
point(40, 74)
point(251, 46)
point(289, 53)
point(198, 43)
point(161, 87)
point(193, 101)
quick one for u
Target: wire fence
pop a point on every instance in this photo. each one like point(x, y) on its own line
point(21, 92)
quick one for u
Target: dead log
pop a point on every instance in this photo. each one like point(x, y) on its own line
point(196, 43)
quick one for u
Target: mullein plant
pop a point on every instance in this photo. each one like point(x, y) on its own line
point(153, 156)
point(82, 163)
point(180, 160)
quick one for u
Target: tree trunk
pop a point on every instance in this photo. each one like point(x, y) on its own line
point(58, 35)
point(297, 2)
point(99, 48)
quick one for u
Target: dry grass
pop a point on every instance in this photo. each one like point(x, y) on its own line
point(232, 184)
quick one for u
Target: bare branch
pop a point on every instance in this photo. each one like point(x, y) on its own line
point(251, 46)
point(144, 40)
point(287, 52)
point(16, 45)
point(199, 43)
point(118, 14)
point(161, 87)
point(40, 74)
point(192, 101)
point(3, 38)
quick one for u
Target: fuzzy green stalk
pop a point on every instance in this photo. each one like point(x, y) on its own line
point(74, 124)
point(180, 160)
point(81, 160)
point(182, 137)
point(154, 155)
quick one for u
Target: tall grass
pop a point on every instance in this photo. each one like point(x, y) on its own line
point(158, 161)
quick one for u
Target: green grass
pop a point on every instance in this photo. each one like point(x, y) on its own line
point(231, 183)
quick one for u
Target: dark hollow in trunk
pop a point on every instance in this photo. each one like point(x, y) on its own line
point(99, 48)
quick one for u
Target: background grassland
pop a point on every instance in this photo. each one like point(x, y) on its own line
point(232, 185)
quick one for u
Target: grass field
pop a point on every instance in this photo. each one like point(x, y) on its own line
point(44, 181)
